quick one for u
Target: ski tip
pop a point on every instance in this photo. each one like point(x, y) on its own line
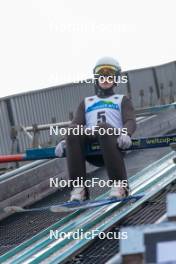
point(13, 209)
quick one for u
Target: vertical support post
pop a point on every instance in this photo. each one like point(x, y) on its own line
point(36, 134)
point(151, 95)
point(156, 82)
point(71, 116)
point(141, 93)
point(162, 99)
point(53, 138)
point(171, 95)
point(15, 143)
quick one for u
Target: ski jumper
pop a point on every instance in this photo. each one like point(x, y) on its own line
point(111, 111)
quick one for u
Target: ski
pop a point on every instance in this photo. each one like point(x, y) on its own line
point(139, 143)
point(74, 205)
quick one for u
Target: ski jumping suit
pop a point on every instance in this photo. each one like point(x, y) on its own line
point(106, 111)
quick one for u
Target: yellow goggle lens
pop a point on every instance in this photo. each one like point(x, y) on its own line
point(106, 70)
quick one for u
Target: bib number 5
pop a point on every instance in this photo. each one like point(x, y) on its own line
point(101, 118)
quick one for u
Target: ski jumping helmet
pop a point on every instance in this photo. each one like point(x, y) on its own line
point(106, 66)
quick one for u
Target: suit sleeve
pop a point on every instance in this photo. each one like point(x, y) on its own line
point(128, 115)
point(79, 118)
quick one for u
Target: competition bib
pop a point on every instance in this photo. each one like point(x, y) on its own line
point(106, 110)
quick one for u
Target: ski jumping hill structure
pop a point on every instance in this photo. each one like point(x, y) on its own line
point(33, 236)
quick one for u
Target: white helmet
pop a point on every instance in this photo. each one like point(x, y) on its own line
point(107, 62)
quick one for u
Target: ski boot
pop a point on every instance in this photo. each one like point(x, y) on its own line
point(79, 194)
point(119, 192)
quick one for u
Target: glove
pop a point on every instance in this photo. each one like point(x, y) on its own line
point(59, 150)
point(124, 141)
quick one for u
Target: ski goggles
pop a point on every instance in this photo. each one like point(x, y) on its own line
point(106, 70)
